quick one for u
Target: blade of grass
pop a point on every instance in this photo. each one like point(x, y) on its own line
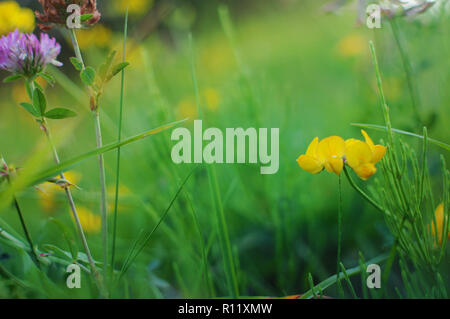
point(137, 249)
point(383, 129)
point(333, 279)
point(221, 224)
point(66, 165)
point(119, 138)
point(349, 283)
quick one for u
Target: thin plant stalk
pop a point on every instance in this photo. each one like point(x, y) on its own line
point(221, 223)
point(339, 238)
point(73, 208)
point(26, 232)
point(408, 71)
point(101, 168)
point(101, 160)
point(46, 129)
point(361, 192)
point(116, 196)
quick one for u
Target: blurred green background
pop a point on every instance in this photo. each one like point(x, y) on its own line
point(299, 69)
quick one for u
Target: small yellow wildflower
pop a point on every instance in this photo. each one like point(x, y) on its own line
point(362, 156)
point(91, 223)
point(187, 108)
point(13, 17)
point(211, 98)
point(333, 152)
point(439, 226)
point(99, 36)
point(327, 154)
point(352, 45)
point(137, 7)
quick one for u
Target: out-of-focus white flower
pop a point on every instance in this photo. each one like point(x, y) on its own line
point(393, 8)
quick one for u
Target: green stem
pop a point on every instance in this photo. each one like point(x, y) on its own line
point(73, 208)
point(76, 47)
point(119, 138)
point(408, 71)
point(384, 106)
point(26, 232)
point(101, 168)
point(361, 192)
point(339, 239)
point(101, 160)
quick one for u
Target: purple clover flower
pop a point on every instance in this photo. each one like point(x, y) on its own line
point(26, 55)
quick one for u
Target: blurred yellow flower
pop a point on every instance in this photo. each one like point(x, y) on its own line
point(333, 152)
point(13, 17)
point(187, 108)
point(99, 36)
point(91, 223)
point(352, 45)
point(211, 98)
point(362, 156)
point(137, 7)
point(327, 154)
point(49, 191)
point(439, 226)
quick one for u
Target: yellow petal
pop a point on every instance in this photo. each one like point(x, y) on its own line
point(368, 139)
point(331, 147)
point(439, 215)
point(310, 164)
point(366, 170)
point(312, 148)
point(357, 153)
point(378, 153)
point(334, 165)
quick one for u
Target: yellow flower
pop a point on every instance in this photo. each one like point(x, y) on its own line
point(352, 45)
point(439, 226)
point(99, 36)
point(91, 223)
point(327, 154)
point(211, 98)
point(187, 108)
point(310, 161)
point(362, 156)
point(138, 7)
point(13, 17)
point(333, 152)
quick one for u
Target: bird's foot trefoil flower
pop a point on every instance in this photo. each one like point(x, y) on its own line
point(332, 153)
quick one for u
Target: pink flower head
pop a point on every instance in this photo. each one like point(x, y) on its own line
point(27, 55)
